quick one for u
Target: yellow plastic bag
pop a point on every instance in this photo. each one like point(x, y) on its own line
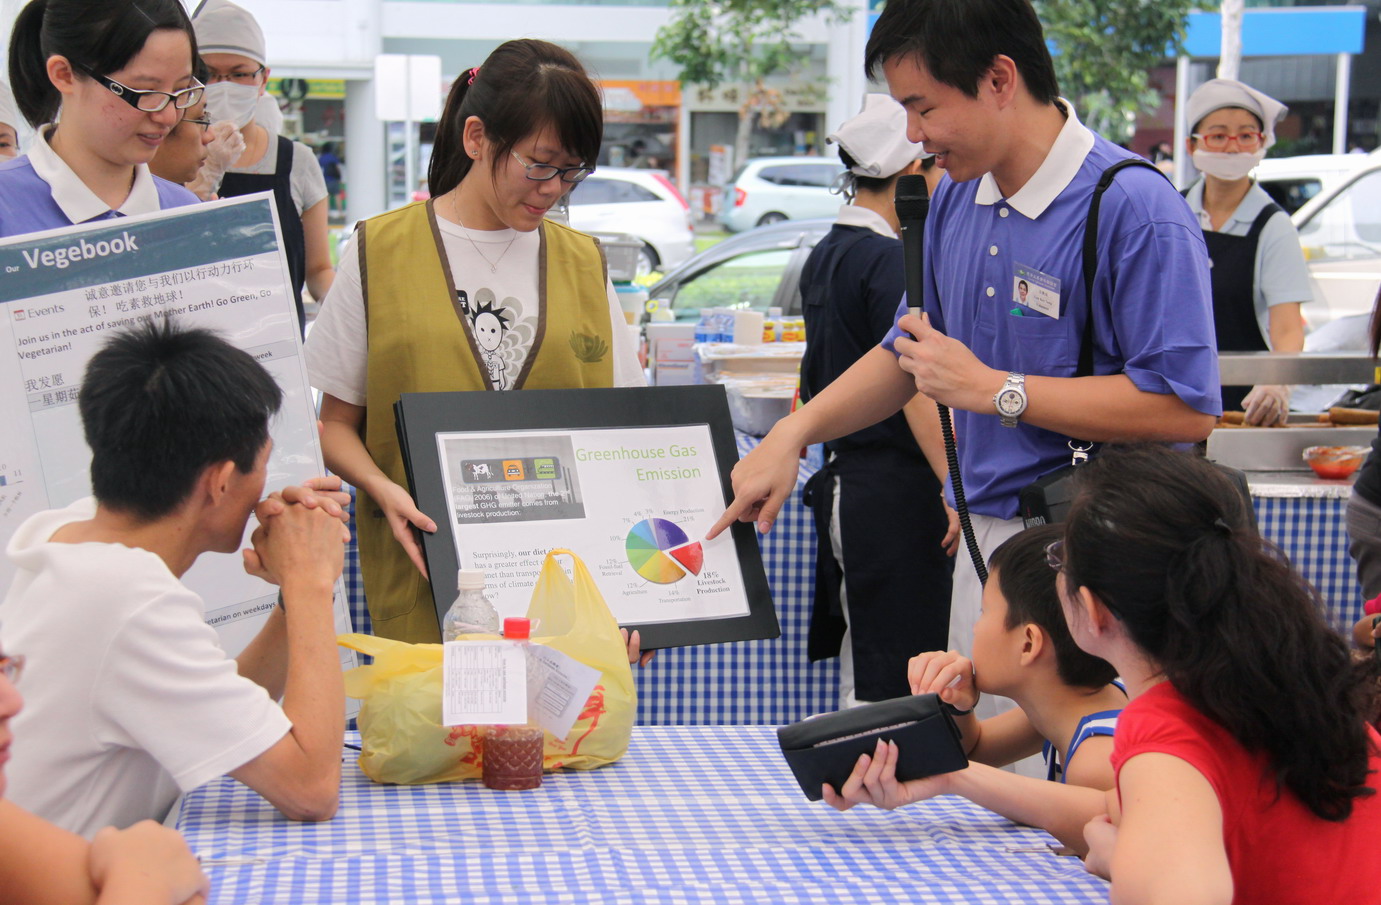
point(402, 738)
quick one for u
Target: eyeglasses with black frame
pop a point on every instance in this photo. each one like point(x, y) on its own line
point(1218, 141)
point(204, 123)
point(543, 172)
point(11, 667)
point(239, 78)
point(1055, 555)
point(147, 101)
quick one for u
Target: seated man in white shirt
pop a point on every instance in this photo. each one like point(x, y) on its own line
point(130, 697)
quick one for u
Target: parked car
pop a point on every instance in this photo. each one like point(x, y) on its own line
point(1293, 181)
point(757, 270)
point(772, 189)
point(642, 203)
point(1340, 231)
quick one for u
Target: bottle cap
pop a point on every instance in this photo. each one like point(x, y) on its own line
point(517, 628)
point(470, 579)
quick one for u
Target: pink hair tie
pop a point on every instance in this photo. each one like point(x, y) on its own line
point(473, 72)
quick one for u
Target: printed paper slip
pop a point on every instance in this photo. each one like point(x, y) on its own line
point(558, 687)
point(483, 682)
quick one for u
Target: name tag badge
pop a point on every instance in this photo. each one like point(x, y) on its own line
point(1035, 290)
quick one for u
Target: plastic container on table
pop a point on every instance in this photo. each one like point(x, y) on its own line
point(512, 755)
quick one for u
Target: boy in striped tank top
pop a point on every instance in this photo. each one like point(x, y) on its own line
point(1068, 703)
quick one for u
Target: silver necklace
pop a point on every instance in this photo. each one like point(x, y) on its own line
point(493, 265)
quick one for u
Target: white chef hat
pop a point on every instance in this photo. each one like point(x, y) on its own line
point(1216, 94)
point(223, 27)
point(876, 139)
point(9, 113)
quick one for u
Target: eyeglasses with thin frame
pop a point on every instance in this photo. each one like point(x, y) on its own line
point(11, 667)
point(1218, 141)
point(239, 78)
point(1055, 555)
point(148, 101)
point(204, 123)
point(542, 172)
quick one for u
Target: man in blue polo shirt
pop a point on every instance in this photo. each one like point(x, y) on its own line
point(979, 87)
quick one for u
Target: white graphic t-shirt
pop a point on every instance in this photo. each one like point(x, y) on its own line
point(495, 276)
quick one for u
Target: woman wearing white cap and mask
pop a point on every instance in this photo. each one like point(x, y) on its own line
point(232, 45)
point(9, 124)
point(1259, 276)
point(867, 607)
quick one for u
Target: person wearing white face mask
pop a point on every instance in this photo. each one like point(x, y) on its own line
point(1259, 276)
point(233, 48)
point(9, 124)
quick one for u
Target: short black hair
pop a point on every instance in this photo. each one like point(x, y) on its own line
point(1029, 584)
point(160, 403)
point(958, 40)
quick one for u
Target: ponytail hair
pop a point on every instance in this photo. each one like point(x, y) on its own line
point(523, 87)
point(100, 35)
point(1166, 541)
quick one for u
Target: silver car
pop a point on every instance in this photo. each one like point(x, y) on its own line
point(1340, 231)
point(772, 189)
point(757, 270)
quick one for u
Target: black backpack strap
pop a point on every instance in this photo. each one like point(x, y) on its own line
point(1085, 367)
point(1262, 219)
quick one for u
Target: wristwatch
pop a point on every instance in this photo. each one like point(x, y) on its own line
point(1011, 399)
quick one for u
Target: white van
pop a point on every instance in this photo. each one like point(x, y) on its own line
point(1340, 231)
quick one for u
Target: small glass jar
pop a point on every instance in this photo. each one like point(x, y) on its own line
point(512, 757)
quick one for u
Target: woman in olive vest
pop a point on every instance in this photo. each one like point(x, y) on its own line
point(471, 290)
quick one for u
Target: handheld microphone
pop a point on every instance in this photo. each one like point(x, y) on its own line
point(912, 201)
point(913, 204)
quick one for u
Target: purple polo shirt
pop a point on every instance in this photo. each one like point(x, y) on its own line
point(27, 204)
point(1152, 291)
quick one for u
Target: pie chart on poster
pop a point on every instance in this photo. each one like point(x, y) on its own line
point(660, 551)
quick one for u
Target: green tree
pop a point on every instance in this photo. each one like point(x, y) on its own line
point(1105, 50)
point(741, 43)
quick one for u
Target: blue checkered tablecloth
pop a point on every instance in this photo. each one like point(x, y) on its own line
point(1312, 531)
point(690, 815)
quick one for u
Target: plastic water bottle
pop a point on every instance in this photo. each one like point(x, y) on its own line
point(472, 612)
point(724, 326)
point(704, 326)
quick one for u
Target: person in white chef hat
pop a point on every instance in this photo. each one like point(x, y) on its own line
point(872, 616)
point(9, 124)
point(233, 47)
point(1259, 276)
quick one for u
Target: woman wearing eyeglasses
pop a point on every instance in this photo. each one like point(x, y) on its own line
point(236, 55)
point(41, 864)
point(121, 73)
point(1259, 276)
point(470, 290)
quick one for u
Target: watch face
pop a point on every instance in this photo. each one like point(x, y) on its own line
point(1010, 402)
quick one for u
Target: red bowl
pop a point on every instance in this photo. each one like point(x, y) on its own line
point(1335, 463)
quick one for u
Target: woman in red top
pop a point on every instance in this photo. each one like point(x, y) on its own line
point(1245, 771)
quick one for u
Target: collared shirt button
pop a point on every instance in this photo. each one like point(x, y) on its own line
point(1002, 211)
point(991, 292)
point(992, 250)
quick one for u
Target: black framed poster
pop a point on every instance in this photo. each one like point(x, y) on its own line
point(630, 479)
